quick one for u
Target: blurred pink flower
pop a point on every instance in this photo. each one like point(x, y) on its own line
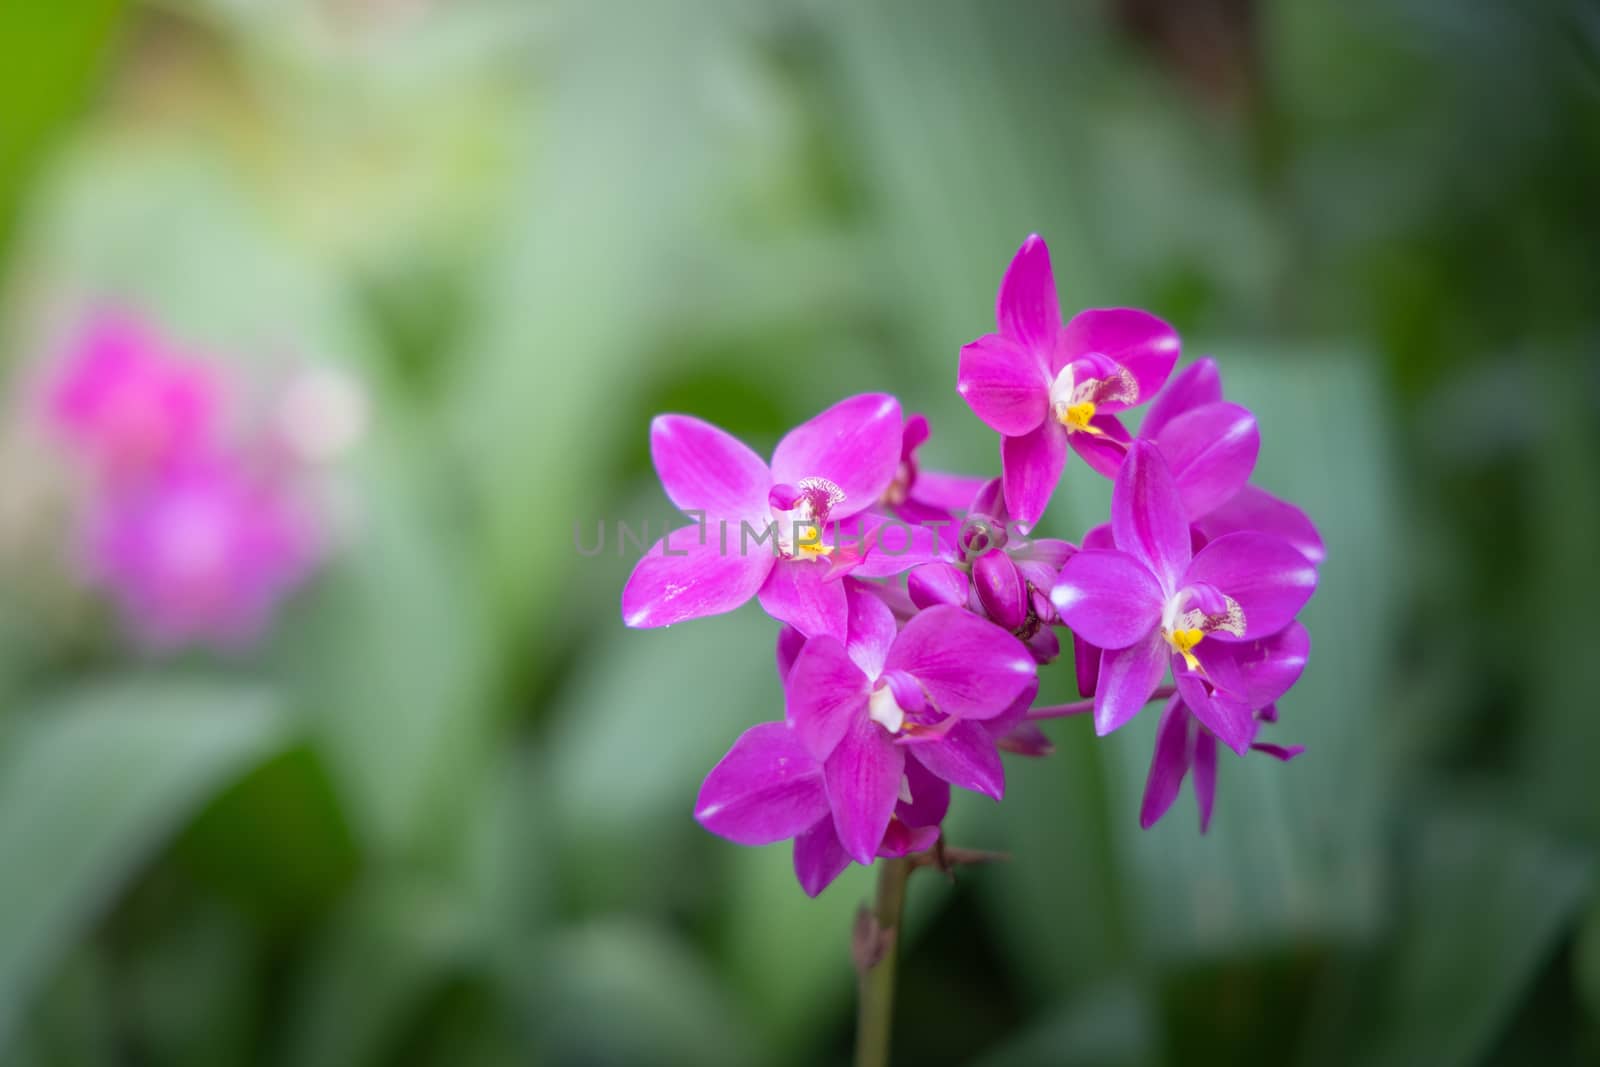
point(200, 553)
point(125, 403)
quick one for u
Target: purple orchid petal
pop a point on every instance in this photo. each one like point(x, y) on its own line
point(790, 642)
point(989, 501)
point(1086, 660)
point(930, 794)
point(824, 693)
point(945, 492)
point(1205, 777)
point(1196, 385)
point(1256, 509)
point(1257, 672)
point(819, 858)
point(1026, 307)
point(704, 468)
point(965, 756)
point(863, 779)
point(1268, 577)
point(1169, 763)
point(1278, 752)
point(894, 595)
point(937, 583)
point(1147, 517)
point(1140, 343)
point(855, 445)
point(1032, 466)
point(907, 690)
point(1128, 677)
point(680, 579)
point(784, 496)
point(1004, 385)
point(970, 667)
point(1015, 713)
point(872, 628)
point(913, 435)
point(1001, 589)
point(1026, 739)
point(767, 788)
point(797, 592)
point(940, 523)
point(1228, 717)
point(1041, 561)
point(1044, 646)
point(1212, 451)
point(902, 840)
point(1099, 537)
point(1107, 598)
point(893, 545)
point(1103, 451)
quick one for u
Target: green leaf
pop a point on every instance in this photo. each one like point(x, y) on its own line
point(645, 719)
point(1586, 961)
point(90, 785)
point(768, 918)
point(391, 945)
point(1108, 1025)
point(51, 56)
point(616, 992)
point(1483, 903)
point(1282, 861)
point(394, 664)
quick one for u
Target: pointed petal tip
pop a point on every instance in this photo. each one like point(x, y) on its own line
point(888, 405)
point(858, 854)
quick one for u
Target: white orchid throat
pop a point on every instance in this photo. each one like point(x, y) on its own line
point(1073, 403)
point(799, 527)
point(1184, 627)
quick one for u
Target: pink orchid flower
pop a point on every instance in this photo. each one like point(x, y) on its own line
point(200, 553)
point(126, 403)
point(859, 708)
point(1152, 599)
point(1044, 386)
point(763, 530)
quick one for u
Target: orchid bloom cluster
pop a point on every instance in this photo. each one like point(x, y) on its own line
point(916, 608)
point(195, 535)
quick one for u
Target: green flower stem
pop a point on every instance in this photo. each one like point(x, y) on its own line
point(877, 943)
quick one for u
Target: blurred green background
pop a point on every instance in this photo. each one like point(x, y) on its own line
point(443, 816)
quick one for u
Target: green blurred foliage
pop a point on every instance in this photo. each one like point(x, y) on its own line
point(443, 815)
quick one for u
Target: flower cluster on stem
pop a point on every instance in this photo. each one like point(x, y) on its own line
point(916, 608)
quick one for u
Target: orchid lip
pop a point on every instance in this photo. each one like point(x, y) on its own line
point(1195, 611)
point(1074, 400)
point(799, 513)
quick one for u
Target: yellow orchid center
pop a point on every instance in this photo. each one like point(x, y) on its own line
point(1078, 392)
point(1183, 642)
point(799, 513)
point(808, 541)
point(1077, 416)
